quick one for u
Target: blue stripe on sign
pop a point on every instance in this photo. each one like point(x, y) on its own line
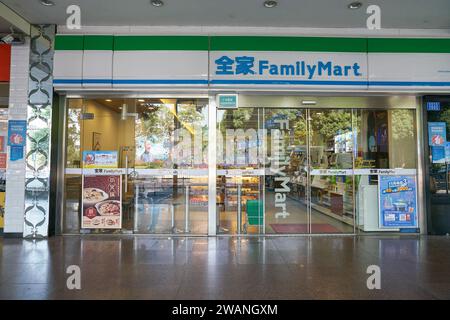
point(97, 81)
point(292, 82)
point(133, 81)
point(67, 81)
point(257, 82)
point(159, 81)
point(410, 83)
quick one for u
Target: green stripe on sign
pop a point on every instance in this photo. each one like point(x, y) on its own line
point(409, 45)
point(66, 42)
point(261, 43)
point(130, 43)
point(98, 42)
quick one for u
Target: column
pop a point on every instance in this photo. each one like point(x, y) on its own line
point(17, 110)
point(39, 114)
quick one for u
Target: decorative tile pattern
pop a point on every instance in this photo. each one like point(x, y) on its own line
point(40, 96)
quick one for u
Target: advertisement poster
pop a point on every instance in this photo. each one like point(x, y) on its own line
point(397, 201)
point(2, 144)
point(16, 153)
point(100, 159)
point(437, 134)
point(2, 160)
point(2, 209)
point(447, 152)
point(102, 202)
point(438, 154)
point(151, 153)
point(17, 130)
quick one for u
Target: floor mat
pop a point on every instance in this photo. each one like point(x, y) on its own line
point(303, 228)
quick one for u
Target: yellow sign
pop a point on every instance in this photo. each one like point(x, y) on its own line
point(2, 209)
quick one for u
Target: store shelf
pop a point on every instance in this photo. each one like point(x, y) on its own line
point(328, 212)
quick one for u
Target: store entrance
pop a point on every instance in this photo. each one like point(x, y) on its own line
point(437, 115)
point(285, 171)
point(313, 170)
point(143, 166)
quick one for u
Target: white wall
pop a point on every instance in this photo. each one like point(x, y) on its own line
point(15, 173)
point(230, 30)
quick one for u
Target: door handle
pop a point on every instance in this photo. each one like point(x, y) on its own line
point(126, 173)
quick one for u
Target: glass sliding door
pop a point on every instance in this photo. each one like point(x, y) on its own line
point(438, 163)
point(144, 156)
point(386, 150)
point(331, 149)
point(286, 171)
point(239, 173)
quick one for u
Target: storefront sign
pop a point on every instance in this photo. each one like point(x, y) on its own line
point(228, 101)
point(17, 130)
point(288, 69)
point(102, 202)
point(397, 201)
point(124, 61)
point(100, 159)
point(437, 134)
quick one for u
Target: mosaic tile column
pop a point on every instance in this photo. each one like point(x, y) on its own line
point(39, 114)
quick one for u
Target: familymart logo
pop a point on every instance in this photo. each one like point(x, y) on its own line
point(249, 65)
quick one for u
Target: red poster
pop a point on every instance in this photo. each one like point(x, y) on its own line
point(2, 160)
point(102, 202)
point(5, 62)
point(2, 144)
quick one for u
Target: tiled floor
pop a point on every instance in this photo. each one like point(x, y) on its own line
point(138, 267)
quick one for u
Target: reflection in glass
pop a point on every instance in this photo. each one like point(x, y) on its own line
point(148, 135)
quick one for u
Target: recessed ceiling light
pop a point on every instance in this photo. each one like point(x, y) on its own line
point(157, 3)
point(270, 4)
point(141, 100)
point(354, 5)
point(47, 3)
point(108, 100)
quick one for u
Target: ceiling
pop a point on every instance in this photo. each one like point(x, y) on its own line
point(4, 26)
point(410, 14)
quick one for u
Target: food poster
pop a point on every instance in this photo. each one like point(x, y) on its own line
point(102, 202)
point(2, 144)
point(100, 159)
point(3, 160)
point(397, 201)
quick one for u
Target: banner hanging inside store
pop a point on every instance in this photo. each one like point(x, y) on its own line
point(17, 130)
point(438, 154)
point(100, 159)
point(102, 202)
point(397, 201)
point(437, 134)
point(447, 152)
point(16, 153)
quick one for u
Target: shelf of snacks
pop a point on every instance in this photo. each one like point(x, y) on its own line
point(198, 195)
point(250, 190)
